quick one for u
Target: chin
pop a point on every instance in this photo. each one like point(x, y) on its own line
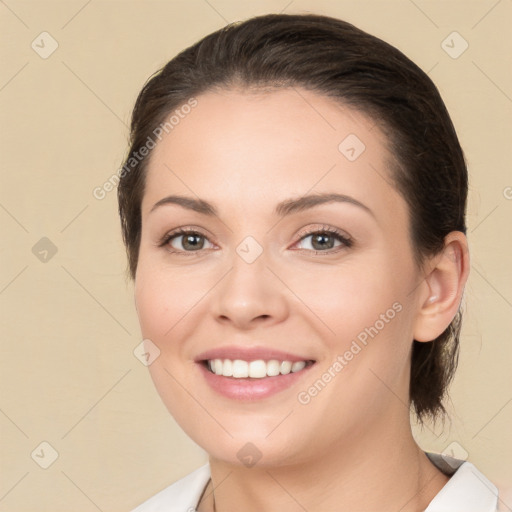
point(250, 446)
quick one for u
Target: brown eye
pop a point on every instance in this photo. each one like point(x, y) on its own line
point(325, 240)
point(321, 241)
point(190, 241)
point(183, 241)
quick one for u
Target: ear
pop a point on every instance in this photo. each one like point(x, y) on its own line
point(441, 292)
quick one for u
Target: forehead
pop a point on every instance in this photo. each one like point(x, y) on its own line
point(256, 148)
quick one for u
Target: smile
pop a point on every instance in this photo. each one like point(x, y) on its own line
point(248, 375)
point(258, 369)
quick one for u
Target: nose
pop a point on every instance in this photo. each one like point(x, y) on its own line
point(250, 295)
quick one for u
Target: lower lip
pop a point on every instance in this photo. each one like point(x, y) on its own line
point(251, 389)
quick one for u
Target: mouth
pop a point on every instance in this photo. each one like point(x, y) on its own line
point(257, 369)
point(245, 374)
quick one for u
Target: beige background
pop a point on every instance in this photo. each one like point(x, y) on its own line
point(69, 375)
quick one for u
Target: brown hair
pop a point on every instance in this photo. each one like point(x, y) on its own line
point(336, 59)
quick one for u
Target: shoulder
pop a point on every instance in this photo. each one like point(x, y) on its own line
point(468, 489)
point(181, 496)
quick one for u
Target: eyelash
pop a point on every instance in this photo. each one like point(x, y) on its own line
point(346, 241)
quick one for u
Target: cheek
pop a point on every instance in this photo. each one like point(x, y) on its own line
point(366, 360)
point(152, 302)
point(363, 309)
point(352, 296)
point(164, 298)
point(165, 303)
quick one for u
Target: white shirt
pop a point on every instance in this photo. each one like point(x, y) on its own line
point(466, 491)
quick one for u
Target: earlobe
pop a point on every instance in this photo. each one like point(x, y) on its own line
point(447, 276)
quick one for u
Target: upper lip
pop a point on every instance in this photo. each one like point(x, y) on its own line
point(249, 354)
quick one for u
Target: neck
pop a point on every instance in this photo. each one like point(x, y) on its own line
point(375, 473)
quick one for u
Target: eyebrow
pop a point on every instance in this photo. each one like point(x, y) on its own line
point(284, 208)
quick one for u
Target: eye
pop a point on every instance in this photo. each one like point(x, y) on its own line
point(190, 241)
point(324, 240)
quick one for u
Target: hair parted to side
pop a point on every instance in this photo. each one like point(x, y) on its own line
point(336, 59)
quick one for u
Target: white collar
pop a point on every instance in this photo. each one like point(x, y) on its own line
point(468, 490)
point(181, 496)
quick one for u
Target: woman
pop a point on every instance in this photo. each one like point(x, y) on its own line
point(293, 207)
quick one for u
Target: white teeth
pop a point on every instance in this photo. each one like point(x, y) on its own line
point(240, 369)
point(227, 368)
point(299, 365)
point(273, 368)
point(217, 366)
point(258, 369)
point(286, 367)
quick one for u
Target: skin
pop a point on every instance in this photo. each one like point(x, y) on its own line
point(245, 152)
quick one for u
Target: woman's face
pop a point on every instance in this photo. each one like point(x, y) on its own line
point(270, 277)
